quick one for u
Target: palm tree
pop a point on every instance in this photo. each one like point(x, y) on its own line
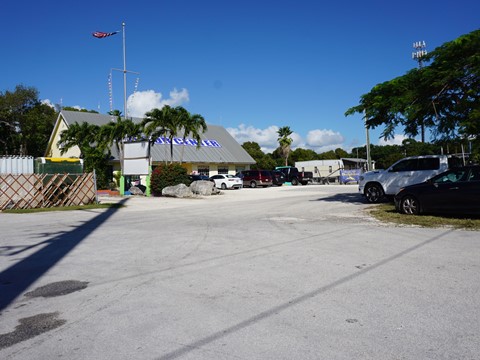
point(174, 123)
point(116, 132)
point(115, 113)
point(193, 125)
point(94, 154)
point(81, 135)
point(154, 126)
point(285, 141)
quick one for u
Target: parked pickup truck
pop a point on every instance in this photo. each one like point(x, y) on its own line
point(293, 176)
point(377, 184)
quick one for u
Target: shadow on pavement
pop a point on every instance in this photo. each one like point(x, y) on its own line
point(18, 277)
point(348, 198)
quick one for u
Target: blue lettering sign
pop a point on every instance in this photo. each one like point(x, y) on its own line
point(214, 143)
point(189, 142)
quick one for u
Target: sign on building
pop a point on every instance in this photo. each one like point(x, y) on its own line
point(136, 158)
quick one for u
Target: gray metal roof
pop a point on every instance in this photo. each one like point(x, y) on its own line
point(229, 150)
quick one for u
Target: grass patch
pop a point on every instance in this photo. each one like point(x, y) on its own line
point(386, 213)
point(65, 208)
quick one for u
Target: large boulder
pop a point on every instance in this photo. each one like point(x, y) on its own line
point(179, 191)
point(137, 190)
point(203, 188)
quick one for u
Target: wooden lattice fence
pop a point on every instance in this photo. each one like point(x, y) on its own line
point(29, 191)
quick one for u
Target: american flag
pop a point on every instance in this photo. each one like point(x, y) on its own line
point(100, 34)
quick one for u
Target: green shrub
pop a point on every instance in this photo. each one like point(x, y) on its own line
point(167, 175)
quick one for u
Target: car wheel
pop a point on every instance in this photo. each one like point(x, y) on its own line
point(294, 181)
point(409, 205)
point(253, 184)
point(374, 193)
point(224, 186)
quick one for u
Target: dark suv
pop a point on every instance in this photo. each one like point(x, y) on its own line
point(278, 178)
point(254, 178)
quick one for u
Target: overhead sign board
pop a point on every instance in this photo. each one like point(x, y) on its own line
point(136, 158)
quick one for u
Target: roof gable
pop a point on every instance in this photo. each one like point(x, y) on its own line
point(218, 145)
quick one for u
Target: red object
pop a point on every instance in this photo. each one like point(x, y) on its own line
point(100, 34)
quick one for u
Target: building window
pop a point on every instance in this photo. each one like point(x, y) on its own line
point(223, 170)
point(204, 170)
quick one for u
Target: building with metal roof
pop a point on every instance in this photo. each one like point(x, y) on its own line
point(218, 153)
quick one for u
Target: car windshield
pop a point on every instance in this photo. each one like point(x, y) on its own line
point(230, 176)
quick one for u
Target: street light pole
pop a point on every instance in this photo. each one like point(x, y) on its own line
point(369, 159)
point(420, 51)
point(124, 73)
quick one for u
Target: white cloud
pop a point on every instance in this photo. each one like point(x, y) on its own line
point(397, 140)
point(57, 107)
point(266, 138)
point(321, 140)
point(317, 140)
point(143, 101)
point(48, 102)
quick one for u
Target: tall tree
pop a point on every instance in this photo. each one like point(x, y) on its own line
point(284, 140)
point(115, 133)
point(71, 108)
point(193, 125)
point(95, 155)
point(443, 96)
point(36, 129)
point(25, 123)
point(164, 122)
point(262, 161)
point(96, 141)
point(300, 154)
point(82, 135)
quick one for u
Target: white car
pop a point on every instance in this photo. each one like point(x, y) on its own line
point(226, 181)
point(374, 185)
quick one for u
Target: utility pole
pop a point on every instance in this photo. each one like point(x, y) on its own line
point(369, 159)
point(420, 51)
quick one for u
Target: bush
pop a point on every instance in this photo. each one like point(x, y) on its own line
point(167, 175)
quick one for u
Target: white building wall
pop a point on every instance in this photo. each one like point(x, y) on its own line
point(16, 165)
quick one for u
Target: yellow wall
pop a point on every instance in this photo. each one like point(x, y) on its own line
point(54, 150)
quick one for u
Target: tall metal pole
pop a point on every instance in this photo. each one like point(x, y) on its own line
point(124, 73)
point(369, 160)
point(420, 51)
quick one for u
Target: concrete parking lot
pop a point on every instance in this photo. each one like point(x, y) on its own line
point(278, 273)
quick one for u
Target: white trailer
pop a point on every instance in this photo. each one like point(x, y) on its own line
point(324, 171)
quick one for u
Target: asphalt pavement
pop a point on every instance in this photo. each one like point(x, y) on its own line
point(277, 273)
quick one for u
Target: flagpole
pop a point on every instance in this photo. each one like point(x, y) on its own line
point(124, 74)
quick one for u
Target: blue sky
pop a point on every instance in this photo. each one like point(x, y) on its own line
point(250, 66)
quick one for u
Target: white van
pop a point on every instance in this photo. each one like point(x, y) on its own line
point(408, 171)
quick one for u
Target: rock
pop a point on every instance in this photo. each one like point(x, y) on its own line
point(204, 188)
point(179, 191)
point(134, 190)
